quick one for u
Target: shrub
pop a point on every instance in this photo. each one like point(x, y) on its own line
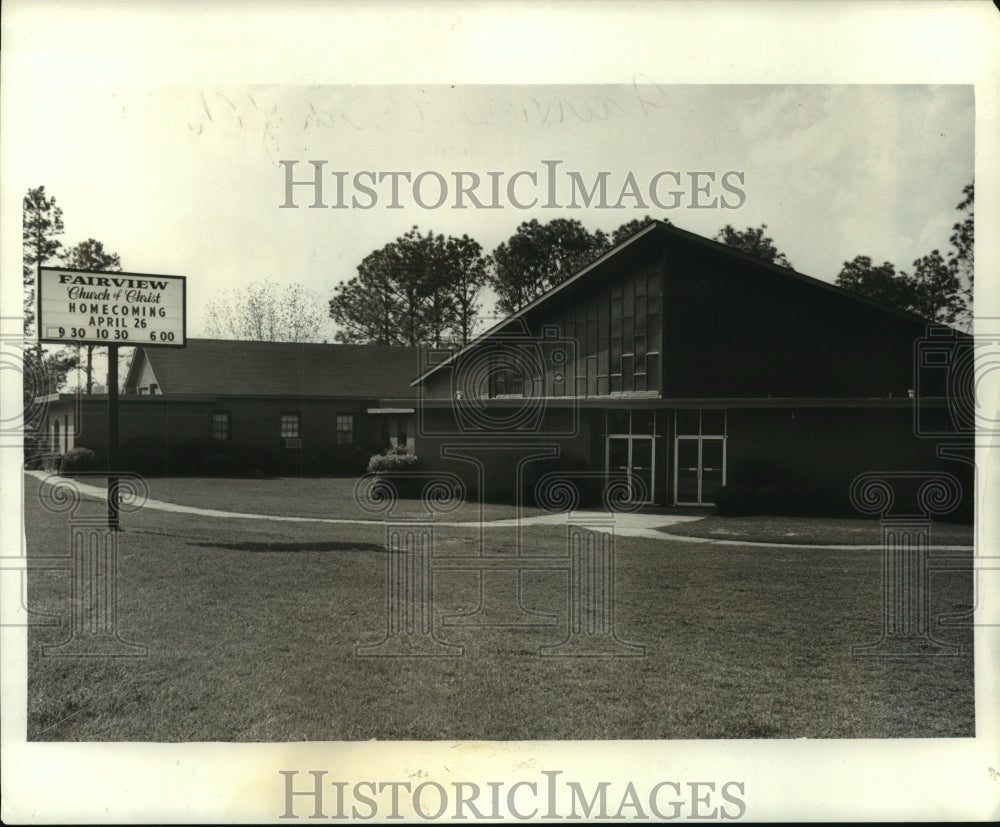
point(38, 460)
point(33, 450)
point(591, 488)
point(760, 486)
point(79, 460)
point(396, 465)
point(743, 500)
point(337, 461)
point(345, 460)
point(188, 458)
point(756, 473)
point(211, 457)
point(248, 458)
point(393, 459)
point(220, 465)
point(52, 462)
point(294, 462)
point(755, 486)
point(144, 455)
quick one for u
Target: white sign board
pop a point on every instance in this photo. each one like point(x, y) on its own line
point(131, 309)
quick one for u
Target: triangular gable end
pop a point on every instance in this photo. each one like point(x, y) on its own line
point(667, 231)
point(141, 376)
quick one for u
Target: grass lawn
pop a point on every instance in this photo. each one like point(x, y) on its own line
point(808, 531)
point(324, 497)
point(251, 628)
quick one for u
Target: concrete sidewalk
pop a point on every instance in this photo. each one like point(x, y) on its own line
point(624, 524)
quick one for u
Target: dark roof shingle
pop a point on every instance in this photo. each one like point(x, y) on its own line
point(225, 367)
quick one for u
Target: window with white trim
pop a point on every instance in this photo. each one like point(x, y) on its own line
point(345, 429)
point(290, 425)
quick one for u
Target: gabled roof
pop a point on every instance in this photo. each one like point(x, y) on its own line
point(666, 231)
point(234, 368)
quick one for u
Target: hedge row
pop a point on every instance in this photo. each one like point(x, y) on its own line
point(206, 457)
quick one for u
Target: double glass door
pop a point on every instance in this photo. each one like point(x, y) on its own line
point(699, 469)
point(631, 457)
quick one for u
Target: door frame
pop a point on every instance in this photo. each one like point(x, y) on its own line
point(652, 456)
point(700, 439)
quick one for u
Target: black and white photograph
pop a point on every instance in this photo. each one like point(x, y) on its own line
point(516, 412)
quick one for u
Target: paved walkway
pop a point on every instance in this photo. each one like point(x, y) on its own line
point(628, 525)
point(623, 525)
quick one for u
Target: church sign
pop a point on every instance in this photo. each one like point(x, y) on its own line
point(129, 309)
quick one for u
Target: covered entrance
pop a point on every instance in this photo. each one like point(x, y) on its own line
point(699, 456)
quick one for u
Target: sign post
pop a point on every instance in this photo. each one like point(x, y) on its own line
point(89, 307)
point(114, 522)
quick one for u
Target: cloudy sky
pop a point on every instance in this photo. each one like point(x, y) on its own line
point(186, 179)
point(164, 141)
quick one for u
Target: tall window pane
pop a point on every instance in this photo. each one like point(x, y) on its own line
point(642, 421)
point(687, 422)
point(220, 425)
point(627, 369)
point(628, 335)
point(713, 422)
point(345, 429)
point(617, 421)
point(290, 426)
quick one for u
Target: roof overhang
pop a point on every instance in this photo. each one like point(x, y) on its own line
point(700, 402)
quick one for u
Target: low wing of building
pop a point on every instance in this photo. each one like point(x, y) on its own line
point(288, 406)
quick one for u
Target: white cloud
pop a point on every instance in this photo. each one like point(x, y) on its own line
point(185, 179)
